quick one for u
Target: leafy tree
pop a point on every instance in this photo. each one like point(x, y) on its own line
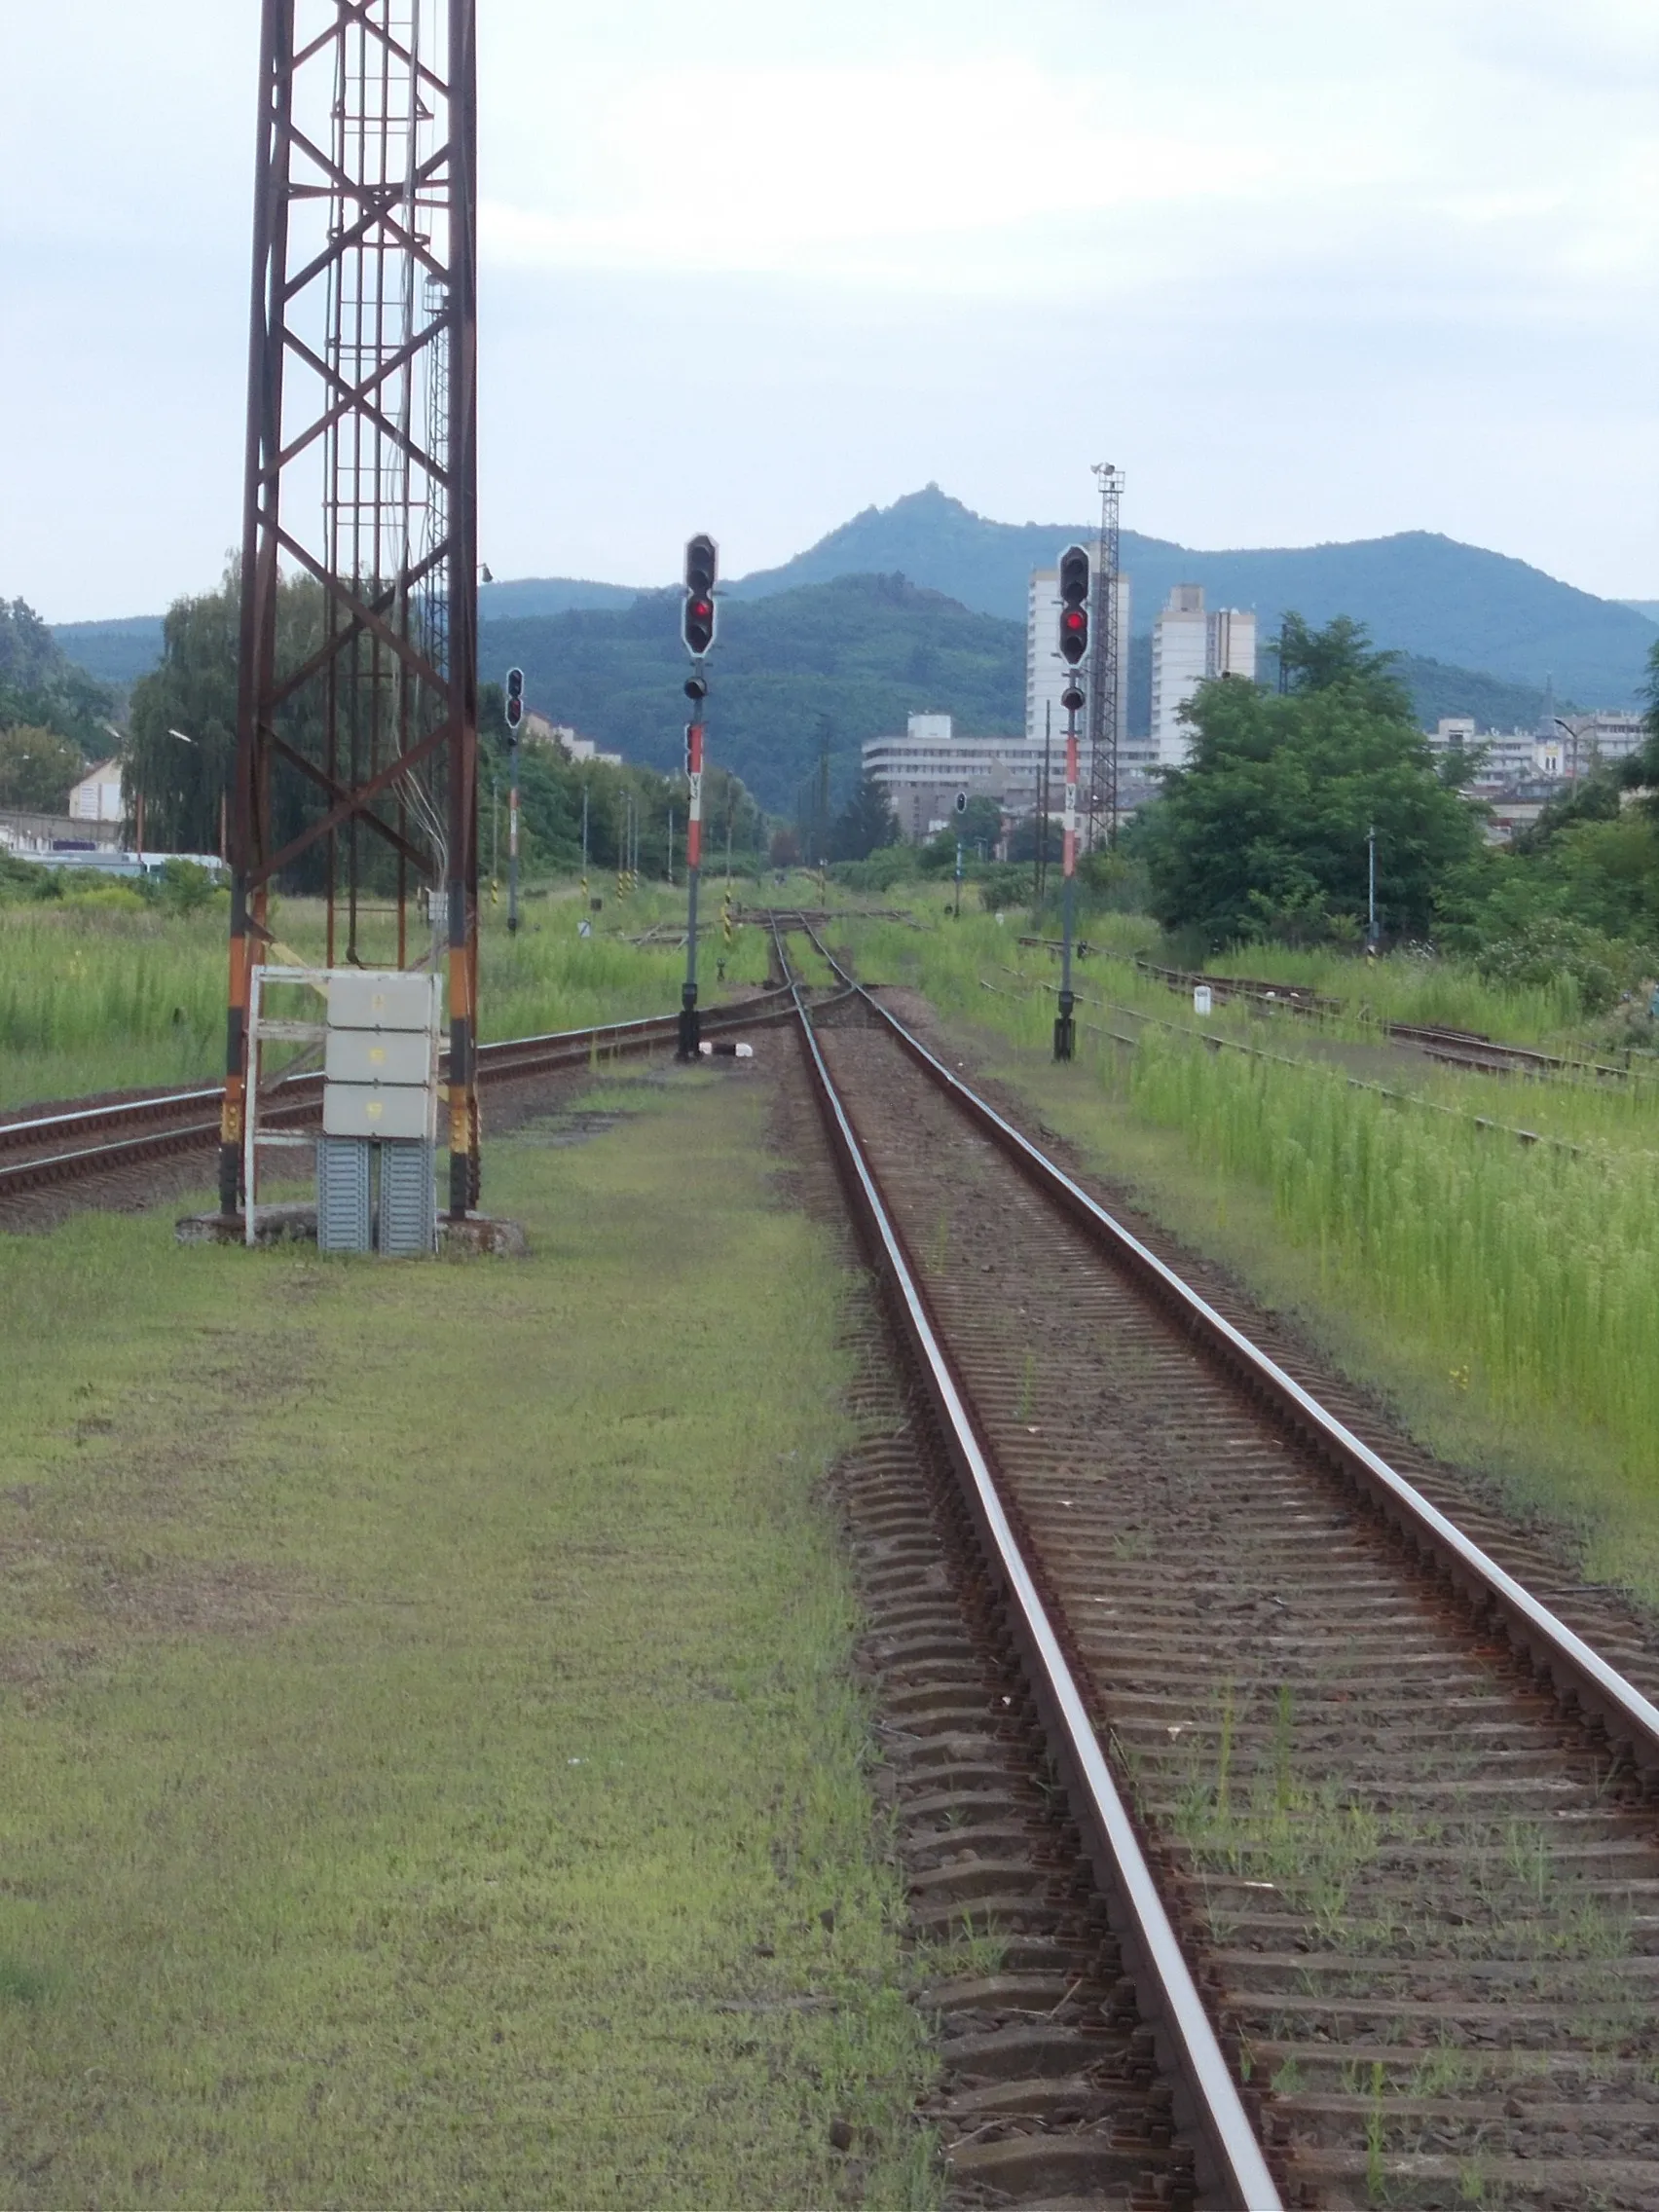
point(1641, 772)
point(1339, 657)
point(1594, 797)
point(40, 687)
point(28, 654)
point(194, 691)
point(979, 825)
point(864, 825)
point(1264, 832)
point(37, 768)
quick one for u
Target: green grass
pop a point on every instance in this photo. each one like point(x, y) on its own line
point(1400, 987)
point(432, 1774)
point(1505, 1297)
point(104, 991)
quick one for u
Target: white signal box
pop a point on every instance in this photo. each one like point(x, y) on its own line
point(377, 1110)
point(378, 1055)
point(381, 1060)
point(360, 998)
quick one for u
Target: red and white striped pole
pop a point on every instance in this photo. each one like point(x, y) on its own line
point(1064, 1034)
point(690, 1024)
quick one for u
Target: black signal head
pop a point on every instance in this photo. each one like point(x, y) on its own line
point(702, 565)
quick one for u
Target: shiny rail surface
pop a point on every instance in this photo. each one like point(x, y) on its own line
point(1231, 2168)
point(1578, 1672)
point(1502, 2030)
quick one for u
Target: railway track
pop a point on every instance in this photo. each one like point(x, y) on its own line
point(115, 1135)
point(1373, 1827)
point(1469, 1049)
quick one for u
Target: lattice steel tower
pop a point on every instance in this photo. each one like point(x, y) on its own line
point(1105, 679)
point(358, 704)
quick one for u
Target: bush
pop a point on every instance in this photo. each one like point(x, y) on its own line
point(1004, 883)
point(1598, 967)
point(185, 888)
point(894, 863)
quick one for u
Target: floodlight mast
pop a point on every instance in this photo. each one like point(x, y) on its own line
point(1105, 685)
point(356, 755)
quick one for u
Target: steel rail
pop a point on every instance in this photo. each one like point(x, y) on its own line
point(1230, 2167)
point(152, 1132)
point(1579, 1674)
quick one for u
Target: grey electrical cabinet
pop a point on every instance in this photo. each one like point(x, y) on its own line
point(345, 1194)
point(408, 1199)
point(380, 1100)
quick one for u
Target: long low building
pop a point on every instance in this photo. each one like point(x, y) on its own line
point(923, 771)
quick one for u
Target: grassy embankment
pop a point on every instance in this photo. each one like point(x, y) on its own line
point(433, 1775)
point(1504, 1296)
point(104, 991)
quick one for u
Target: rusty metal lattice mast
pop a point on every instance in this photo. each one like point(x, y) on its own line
point(357, 700)
point(1105, 687)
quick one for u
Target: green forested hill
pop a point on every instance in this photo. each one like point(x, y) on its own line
point(856, 656)
point(1417, 592)
point(851, 657)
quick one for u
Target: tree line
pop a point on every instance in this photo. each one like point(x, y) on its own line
point(194, 692)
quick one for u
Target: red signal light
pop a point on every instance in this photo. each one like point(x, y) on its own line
point(697, 616)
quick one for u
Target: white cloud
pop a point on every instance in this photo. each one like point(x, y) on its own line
point(1315, 269)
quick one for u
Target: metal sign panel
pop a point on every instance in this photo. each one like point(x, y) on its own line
point(376, 1109)
point(379, 1055)
point(371, 1000)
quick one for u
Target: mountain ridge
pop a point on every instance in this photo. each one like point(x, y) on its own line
point(1419, 593)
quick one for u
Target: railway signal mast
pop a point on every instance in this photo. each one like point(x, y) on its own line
point(1074, 646)
point(357, 686)
point(697, 628)
point(515, 715)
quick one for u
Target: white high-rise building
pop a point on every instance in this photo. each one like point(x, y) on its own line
point(1046, 674)
point(1188, 647)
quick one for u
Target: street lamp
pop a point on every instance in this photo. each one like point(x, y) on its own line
point(1573, 736)
point(138, 809)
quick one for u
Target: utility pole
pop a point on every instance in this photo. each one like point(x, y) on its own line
point(584, 842)
point(1370, 886)
point(820, 805)
point(671, 848)
point(1074, 644)
point(1040, 847)
point(697, 629)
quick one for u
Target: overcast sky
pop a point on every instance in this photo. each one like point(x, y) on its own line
point(1304, 268)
